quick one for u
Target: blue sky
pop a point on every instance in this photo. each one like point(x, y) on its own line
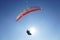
point(47, 21)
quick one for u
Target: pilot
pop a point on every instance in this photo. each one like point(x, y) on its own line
point(28, 32)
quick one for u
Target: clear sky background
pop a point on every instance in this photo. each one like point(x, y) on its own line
point(47, 21)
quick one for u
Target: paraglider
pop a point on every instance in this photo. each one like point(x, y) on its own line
point(27, 12)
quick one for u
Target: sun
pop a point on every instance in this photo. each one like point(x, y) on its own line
point(33, 30)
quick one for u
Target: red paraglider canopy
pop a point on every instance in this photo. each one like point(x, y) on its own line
point(27, 12)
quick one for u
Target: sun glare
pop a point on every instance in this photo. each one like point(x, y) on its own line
point(33, 30)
